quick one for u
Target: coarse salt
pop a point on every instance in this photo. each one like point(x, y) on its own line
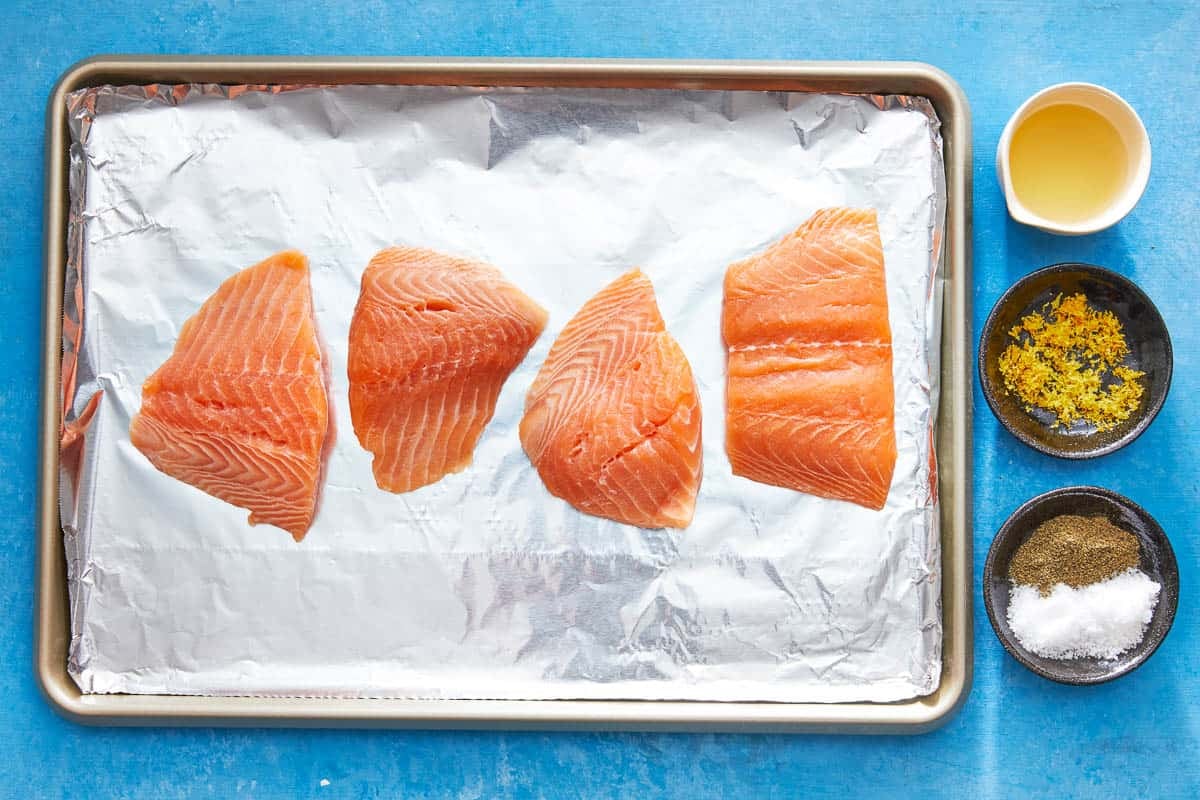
point(1101, 620)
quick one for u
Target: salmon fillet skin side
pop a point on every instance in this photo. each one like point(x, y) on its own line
point(612, 421)
point(810, 403)
point(240, 410)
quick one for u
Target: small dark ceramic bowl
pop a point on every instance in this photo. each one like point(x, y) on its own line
point(1145, 333)
point(1158, 562)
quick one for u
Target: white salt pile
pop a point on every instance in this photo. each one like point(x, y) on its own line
point(1101, 620)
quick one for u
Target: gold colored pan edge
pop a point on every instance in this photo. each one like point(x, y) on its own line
point(51, 625)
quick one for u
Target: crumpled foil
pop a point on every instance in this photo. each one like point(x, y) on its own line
point(484, 585)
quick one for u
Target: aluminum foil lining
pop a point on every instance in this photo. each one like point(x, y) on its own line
point(483, 585)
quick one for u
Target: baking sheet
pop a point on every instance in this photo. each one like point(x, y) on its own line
point(483, 585)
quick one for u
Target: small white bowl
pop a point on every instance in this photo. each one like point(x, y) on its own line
point(1128, 124)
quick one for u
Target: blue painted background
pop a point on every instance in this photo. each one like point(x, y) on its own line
point(1019, 736)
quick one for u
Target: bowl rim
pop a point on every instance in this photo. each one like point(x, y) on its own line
point(1018, 652)
point(990, 390)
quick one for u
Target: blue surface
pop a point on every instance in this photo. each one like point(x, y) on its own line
point(1018, 734)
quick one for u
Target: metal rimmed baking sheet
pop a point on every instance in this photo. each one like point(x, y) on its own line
point(954, 472)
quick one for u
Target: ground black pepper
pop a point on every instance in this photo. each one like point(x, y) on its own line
point(1074, 550)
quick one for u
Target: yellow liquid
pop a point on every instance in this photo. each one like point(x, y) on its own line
point(1068, 163)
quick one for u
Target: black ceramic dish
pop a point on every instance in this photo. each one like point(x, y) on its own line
point(1158, 561)
point(1149, 352)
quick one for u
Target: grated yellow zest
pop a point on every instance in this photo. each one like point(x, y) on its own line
point(1066, 359)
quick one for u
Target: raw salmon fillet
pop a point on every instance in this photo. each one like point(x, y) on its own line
point(432, 341)
point(809, 398)
point(240, 409)
point(612, 422)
